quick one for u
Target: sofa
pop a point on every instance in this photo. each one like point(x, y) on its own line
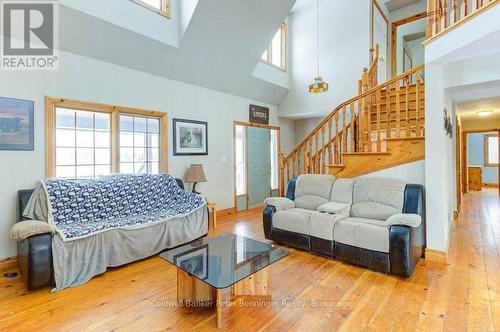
point(36, 258)
point(374, 222)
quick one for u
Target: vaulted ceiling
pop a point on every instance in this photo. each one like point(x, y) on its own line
point(219, 49)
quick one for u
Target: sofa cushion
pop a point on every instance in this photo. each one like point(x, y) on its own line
point(362, 234)
point(342, 191)
point(377, 198)
point(322, 225)
point(280, 203)
point(24, 229)
point(312, 190)
point(293, 220)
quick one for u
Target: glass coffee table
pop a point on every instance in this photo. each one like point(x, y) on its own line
point(208, 268)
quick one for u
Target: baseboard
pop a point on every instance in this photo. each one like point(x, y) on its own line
point(435, 256)
point(490, 185)
point(439, 256)
point(226, 212)
point(8, 264)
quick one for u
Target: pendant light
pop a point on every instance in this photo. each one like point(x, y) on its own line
point(319, 85)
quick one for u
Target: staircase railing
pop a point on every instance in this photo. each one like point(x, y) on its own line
point(360, 124)
point(445, 15)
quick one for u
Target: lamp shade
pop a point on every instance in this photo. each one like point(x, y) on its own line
point(196, 174)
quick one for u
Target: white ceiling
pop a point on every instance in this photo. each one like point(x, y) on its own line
point(396, 4)
point(469, 109)
point(220, 48)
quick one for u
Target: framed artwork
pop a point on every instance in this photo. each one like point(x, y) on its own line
point(190, 137)
point(259, 114)
point(194, 261)
point(16, 124)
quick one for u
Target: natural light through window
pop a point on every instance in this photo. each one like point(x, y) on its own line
point(240, 160)
point(139, 145)
point(159, 6)
point(275, 54)
point(274, 160)
point(83, 144)
point(491, 150)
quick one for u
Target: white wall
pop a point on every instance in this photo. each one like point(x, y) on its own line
point(134, 17)
point(91, 80)
point(413, 172)
point(344, 51)
point(438, 161)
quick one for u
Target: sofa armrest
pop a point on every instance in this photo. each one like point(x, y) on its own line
point(405, 248)
point(405, 219)
point(267, 219)
point(34, 256)
point(335, 208)
point(280, 203)
point(27, 228)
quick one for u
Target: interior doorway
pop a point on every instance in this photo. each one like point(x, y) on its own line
point(256, 164)
point(480, 160)
point(407, 50)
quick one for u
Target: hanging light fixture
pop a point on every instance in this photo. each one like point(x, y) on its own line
point(319, 85)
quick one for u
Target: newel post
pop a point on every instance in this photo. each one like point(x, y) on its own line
point(430, 18)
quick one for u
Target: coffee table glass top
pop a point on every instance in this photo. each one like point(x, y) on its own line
point(223, 260)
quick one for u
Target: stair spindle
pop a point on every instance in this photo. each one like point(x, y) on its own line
point(323, 151)
point(353, 134)
point(417, 107)
point(398, 109)
point(379, 140)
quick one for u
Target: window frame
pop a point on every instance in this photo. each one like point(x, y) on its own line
point(164, 11)
point(51, 103)
point(284, 55)
point(487, 161)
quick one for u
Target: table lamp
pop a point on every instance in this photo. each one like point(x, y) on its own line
point(195, 175)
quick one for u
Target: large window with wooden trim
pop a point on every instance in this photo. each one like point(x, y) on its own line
point(89, 140)
point(276, 54)
point(491, 150)
point(161, 7)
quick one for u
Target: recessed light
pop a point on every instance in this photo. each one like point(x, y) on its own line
point(484, 113)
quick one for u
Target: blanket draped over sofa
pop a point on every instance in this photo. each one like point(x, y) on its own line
point(113, 221)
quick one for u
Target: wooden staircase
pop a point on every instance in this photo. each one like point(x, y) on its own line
point(381, 127)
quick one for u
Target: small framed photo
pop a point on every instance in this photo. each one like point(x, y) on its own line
point(16, 124)
point(190, 137)
point(194, 261)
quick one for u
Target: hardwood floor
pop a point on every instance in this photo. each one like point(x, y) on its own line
point(310, 292)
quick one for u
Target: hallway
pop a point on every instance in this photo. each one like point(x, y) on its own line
point(474, 273)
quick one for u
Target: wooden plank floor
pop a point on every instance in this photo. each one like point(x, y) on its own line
point(311, 293)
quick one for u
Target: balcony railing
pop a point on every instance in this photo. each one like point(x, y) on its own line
point(446, 15)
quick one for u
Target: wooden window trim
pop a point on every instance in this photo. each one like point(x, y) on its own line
point(50, 121)
point(165, 7)
point(284, 48)
point(487, 162)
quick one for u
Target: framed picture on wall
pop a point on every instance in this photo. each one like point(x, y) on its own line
point(190, 137)
point(16, 124)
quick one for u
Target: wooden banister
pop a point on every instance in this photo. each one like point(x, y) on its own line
point(446, 15)
point(392, 108)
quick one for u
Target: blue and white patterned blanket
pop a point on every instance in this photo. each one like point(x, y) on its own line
point(81, 208)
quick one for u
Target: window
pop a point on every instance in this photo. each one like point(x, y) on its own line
point(159, 6)
point(87, 140)
point(275, 54)
point(83, 144)
point(274, 160)
point(491, 150)
point(139, 145)
point(240, 154)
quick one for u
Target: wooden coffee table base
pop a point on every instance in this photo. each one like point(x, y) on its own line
point(197, 293)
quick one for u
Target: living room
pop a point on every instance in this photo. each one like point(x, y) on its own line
point(280, 165)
